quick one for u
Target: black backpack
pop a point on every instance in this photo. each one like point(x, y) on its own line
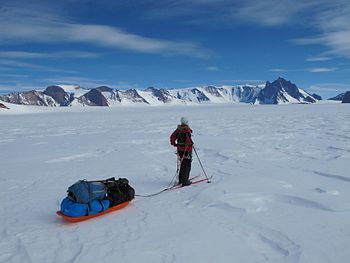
point(181, 138)
point(119, 191)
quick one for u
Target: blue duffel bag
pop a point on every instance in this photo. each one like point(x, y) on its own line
point(97, 206)
point(74, 209)
point(85, 191)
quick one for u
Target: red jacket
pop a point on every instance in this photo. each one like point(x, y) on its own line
point(183, 131)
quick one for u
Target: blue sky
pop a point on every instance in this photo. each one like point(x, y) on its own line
point(171, 44)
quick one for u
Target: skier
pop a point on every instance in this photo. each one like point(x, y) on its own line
point(181, 138)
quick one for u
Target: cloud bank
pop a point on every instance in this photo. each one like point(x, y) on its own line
point(28, 26)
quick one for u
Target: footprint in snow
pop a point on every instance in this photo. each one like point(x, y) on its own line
point(330, 192)
point(286, 184)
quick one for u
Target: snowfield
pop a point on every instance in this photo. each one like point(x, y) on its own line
point(279, 193)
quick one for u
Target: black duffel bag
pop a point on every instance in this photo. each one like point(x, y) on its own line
point(118, 191)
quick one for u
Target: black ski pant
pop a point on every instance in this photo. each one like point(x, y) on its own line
point(185, 167)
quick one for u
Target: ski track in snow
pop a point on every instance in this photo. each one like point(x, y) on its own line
point(279, 191)
point(333, 176)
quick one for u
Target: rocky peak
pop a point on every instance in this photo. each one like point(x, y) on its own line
point(338, 97)
point(316, 96)
point(94, 98)
point(200, 95)
point(161, 94)
point(280, 91)
point(346, 98)
point(133, 96)
point(32, 97)
point(104, 89)
point(2, 106)
point(59, 95)
point(212, 90)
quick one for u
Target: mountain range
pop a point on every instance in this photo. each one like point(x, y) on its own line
point(343, 97)
point(279, 91)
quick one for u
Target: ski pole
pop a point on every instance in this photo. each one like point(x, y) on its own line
point(208, 180)
point(179, 162)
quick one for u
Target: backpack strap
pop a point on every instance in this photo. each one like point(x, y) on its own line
point(102, 208)
point(88, 208)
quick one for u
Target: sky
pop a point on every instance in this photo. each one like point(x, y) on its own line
point(174, 44)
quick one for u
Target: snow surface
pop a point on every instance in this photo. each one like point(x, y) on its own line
point(280, 188)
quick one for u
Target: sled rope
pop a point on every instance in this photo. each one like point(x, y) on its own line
point(172, 184)
point(174, 187)
point(165, 189)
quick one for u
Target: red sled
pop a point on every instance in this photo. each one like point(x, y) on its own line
point(82, 218)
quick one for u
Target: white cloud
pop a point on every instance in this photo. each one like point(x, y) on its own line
point(5, 68)
point(271, 12)
point(333, 23)
point(75, 80)
point(318, 58)
point(216, 12)
point(330, 87)
point(32, 66)
point(182, 80)
point(213, 68)
point(321, 70)
point(14, 75)
point(20, 64)
point(313, 70)
point(285, 70)
point(243, 81)
point(330, 18)
point(19, 26)
point(17, 88)
point(55, 55)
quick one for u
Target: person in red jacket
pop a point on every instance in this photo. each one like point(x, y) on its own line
point(181, 138)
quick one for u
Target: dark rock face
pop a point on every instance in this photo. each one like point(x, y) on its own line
point(134, 96)
point(2, 106)
point(193, 95)
point(94, 98)
point(338, 97)
point(161, 94)
point(200, 95)
point(112, 95)
point(316, 96)
point(29, 98)
point(249, 94)
point(310, 99)
point(59, 95)
point(279, 90)
point(213, 91)
point(269, 94)
point(346, 98)
point(246, 94)
point(104, 89)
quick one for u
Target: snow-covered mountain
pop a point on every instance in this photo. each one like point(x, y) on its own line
point(2, 106)
point(316, 96)
point(32, 97)
point(280, 91)
point(93, 98)
point(61, 97)
point(339, 97)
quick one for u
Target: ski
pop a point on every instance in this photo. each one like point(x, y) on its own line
point(174, 187)
point(192, 182)
point(177, 185)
